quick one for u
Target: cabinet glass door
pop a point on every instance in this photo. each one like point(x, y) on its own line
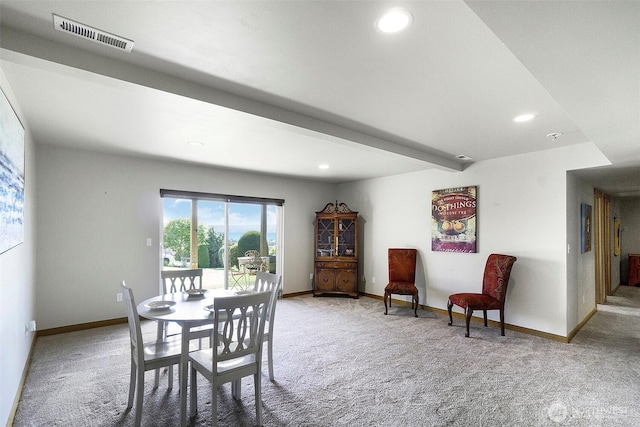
point(326, 237)
point(347, 237)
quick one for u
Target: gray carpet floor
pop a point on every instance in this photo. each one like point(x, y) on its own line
point(340, 361)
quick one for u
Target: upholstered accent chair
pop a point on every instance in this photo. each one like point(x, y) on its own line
point(402, 276)
point(494, 290)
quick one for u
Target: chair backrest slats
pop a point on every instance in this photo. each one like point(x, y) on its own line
point(268, 282)
point(181, 280)
point(240, 322)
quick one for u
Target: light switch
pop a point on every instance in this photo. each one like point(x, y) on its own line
point(148, 241)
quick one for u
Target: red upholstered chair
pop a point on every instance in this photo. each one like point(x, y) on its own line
point(494, 290)
point(402, 276)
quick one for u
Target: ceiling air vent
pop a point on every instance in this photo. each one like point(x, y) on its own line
point(90, 33)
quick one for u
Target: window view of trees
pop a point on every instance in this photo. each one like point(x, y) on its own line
point(250, 228)
point(177, 238)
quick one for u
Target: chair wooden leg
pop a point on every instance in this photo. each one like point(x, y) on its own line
point(449, 305)
point(484, 312)
point(270, 357)
point(502, 322)
point(193, 395)
point(236, 389)
point(132, 383)
point(468, 311)
point(386, 296)
point(139, 396)
point(257, 379)
point(415, 311)
point(214, 403)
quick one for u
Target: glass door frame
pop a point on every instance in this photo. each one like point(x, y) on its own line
point(227, 199)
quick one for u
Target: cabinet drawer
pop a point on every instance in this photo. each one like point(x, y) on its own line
point(335, 264)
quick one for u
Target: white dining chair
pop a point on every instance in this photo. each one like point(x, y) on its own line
point(236, 352)
point(181, 280)
point(269, 282)
point(145, 356)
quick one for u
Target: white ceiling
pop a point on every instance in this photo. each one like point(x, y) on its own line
point(282, 86)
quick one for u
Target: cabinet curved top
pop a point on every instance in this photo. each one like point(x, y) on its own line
point(336, 208)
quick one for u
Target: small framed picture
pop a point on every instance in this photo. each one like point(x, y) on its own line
point(585, 229)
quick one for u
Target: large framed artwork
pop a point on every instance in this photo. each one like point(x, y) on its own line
point(453, 220)
point(585, 228)
point(11, 176)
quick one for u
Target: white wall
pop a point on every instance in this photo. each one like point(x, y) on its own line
point(96, 211)
point(522, 205)
point(17, 284)
point(581, 287)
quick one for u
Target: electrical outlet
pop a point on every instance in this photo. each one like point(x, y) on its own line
point(30, 327)
point(373, 280)
point(119, 297)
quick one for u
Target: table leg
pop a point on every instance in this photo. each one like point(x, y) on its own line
point(159, 337)
point(184, 373)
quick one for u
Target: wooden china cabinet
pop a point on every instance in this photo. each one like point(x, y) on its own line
point(336, 251)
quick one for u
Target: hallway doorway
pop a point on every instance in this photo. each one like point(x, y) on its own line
point(602, 224)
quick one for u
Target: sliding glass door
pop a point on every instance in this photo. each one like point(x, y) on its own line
point(229, 237)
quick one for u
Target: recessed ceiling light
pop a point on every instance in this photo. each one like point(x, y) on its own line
point(524, 118)
point(196, 143)
point(394, 20)
point(323, 166)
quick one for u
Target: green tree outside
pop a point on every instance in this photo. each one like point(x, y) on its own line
point(177, 236)
point(215, 241)
point(249, 241)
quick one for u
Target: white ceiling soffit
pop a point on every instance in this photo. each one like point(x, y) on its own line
point(272, 142)
point(589, 63)
point(36, 48)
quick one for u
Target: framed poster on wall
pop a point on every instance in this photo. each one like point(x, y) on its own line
point(453, 220)
point(585, 228)
point(11, 176)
